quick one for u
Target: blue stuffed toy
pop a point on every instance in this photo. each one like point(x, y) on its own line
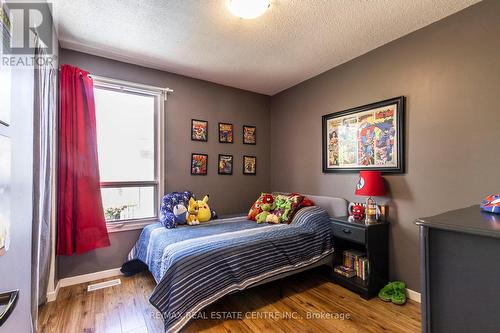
point(180, 213)
point(168, 202)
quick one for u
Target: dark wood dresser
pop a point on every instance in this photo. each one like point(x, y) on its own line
point(460, 271)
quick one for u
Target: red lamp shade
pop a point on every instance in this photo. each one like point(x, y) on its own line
point(370, 184)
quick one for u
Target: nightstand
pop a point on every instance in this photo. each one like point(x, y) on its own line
point(372, 239)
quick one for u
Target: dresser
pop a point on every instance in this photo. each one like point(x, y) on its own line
point(460, 271)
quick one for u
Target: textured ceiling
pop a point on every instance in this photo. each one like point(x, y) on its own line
point(293, 41)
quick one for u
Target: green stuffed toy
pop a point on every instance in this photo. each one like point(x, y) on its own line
point(288, 207)
point(284, 204)
point(267, 206)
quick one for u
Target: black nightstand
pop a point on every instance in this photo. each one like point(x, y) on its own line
point(374, 241)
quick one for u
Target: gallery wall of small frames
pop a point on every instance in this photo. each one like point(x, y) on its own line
point(225, 162)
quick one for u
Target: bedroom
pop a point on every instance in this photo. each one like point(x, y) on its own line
point(196, 96)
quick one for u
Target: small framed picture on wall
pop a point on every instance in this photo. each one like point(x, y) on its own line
point(249, 165)
point(225, 164)
point(225, 133)
point(249, 135)
point(199, 164)
point(199, 130)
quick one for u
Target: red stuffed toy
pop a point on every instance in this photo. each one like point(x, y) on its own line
point(356, 211)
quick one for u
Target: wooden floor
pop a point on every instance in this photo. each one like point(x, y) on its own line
point(310, 303)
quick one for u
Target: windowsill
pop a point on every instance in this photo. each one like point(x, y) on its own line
point(129, 225)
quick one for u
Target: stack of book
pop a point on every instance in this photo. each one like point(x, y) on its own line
point(355, 263)
point(345, 271)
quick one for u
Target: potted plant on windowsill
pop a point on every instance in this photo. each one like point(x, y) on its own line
point(114, 213)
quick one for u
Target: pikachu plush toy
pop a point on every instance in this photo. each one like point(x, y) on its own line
point(198, 211)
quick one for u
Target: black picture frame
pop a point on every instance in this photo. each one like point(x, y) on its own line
point(193, 168)
point(226, 138)
point(244, 163)
point(331, 142)
point(193, 134)
point(220, 159)
point(245, 142)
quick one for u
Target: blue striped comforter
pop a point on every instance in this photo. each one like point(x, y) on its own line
point(196, 265)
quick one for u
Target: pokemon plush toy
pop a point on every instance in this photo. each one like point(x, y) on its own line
point(198, 211)
point(204, 212)
point(192, 210)
point(180, 214)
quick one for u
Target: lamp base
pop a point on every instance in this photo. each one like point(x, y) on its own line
point(372, 213)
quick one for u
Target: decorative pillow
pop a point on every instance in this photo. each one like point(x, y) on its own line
point(306, 202)
point(168, 202)
point(255, 209)
point(286, 206)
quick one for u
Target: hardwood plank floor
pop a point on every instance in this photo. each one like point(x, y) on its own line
point(310, 303)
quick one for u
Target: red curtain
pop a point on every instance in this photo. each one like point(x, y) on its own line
point(81, 225)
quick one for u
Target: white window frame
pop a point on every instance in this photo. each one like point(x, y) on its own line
point(159, 137)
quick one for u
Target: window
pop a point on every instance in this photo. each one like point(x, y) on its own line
point(129, 146)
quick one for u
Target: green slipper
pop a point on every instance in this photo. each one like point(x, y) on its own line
point(390, 289)
point(399, 285)
point(398, 297)
point(386, 293)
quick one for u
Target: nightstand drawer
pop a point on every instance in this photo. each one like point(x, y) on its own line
point(351, 233)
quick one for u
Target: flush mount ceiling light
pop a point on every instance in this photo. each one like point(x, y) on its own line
point(248, 9)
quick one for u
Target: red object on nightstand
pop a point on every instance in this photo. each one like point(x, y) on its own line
point(371, 184)
point(357, 211)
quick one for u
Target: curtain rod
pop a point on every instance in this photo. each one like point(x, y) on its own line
point(128, 83)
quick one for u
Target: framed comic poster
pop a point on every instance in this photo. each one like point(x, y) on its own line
point(199, 130)
point(225, 133)
point(369, 137)
point(225, 164)
point(249, 165)
point(249, 135)
point(199, 164)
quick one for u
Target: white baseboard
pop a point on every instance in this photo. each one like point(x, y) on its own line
point(52, 295)
point(70, 281)
point(413, 295)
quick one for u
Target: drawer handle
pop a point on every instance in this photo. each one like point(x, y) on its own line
point(346, 231)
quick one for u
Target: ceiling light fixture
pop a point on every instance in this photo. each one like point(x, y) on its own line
point(248, 9)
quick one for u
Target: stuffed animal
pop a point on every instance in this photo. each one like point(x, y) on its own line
point(287, 205)
point(283, 205)
point(271, 218)
point(198, 211)
point(180, 213)
point(267, 206)
point(204, 212)
point(356, 211)
point(192, 210)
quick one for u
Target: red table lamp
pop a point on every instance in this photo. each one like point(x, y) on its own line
point(371, 184)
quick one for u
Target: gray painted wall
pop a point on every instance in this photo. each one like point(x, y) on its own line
point(450, 74)
point(192, 99)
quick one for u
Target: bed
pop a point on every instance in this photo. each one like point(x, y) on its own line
point(196, 265)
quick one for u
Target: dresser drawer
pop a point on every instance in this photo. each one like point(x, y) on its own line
point(352, 233)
